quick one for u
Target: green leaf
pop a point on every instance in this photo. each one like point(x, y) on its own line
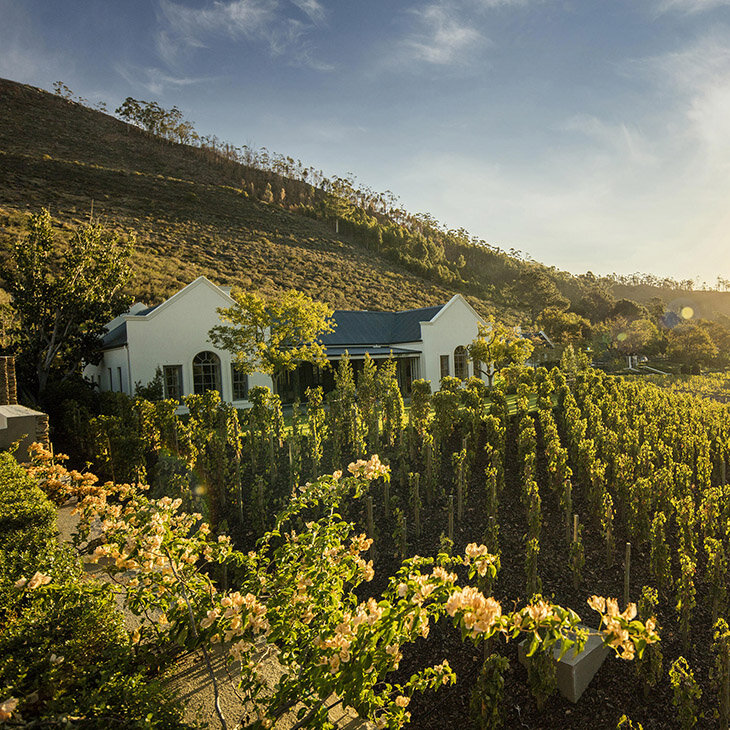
point(534, 644)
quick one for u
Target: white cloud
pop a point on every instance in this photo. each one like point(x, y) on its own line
point(617, 139)
point(490, 4)
point(440, 38)
point(247, 18)
point(264, 21)
point(314, 10)
point(697, 79)
point(156, 80)
point(690, 6)
point(24, 57)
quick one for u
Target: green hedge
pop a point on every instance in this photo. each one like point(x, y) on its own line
point(27, 533)
point(64, 651)
point(24, 509)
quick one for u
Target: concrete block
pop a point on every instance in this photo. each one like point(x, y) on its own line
point(575, 670)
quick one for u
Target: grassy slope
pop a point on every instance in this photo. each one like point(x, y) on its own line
point(192, 217)
point(189, 215)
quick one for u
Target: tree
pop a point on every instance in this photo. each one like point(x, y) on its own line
point(720, 336)
point(691, 345)
point(640, 336)
point(63, 295)
point(564, 327)
point(629, 309)
point(536, 291)
point(596, 304)
point(273, 336)
point(150, 116)
point(621, 337)
point(498, 346)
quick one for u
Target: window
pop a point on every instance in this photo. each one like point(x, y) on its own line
point(172, 381)
point(461, 368)
point(206, 372)
point(111, 382)
point(444, 365)
point(121, 384)
point(239, 381)
point(478, 368)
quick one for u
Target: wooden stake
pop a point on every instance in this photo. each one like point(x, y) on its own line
point(239, 486)
point(568, 507)
point(417, 504)
point(725, 684)
point(627, 570)
point(451, 517)
point(575, 540)
point(429, 467)
point(371, 524)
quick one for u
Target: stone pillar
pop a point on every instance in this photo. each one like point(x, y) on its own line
point(8, 385)
point(42, 430)
point(12, 383)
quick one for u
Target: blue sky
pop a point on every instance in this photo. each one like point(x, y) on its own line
point(590, 134)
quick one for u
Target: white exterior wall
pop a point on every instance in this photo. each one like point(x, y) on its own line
point(173, 334)
point(176, 331)
point(456, 324)
point(113, 364)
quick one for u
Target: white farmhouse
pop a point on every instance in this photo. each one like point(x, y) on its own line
point(173, 337)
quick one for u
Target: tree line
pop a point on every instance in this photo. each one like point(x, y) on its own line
point(378, 221)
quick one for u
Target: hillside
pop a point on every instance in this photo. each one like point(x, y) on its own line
point(195, 212)
point(189, 216)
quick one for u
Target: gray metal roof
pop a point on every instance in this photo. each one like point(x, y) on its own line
point(538, 338)
point(116, 338)
point(143, 312)
point(352, 328)
point(378, 328)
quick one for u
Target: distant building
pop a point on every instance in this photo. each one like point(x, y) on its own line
point(173, 337)
point(544, 350)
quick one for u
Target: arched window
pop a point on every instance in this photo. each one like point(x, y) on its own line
point(206, 372)
point(461, 369)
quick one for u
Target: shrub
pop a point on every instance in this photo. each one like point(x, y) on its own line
point(488, 693)
point(64, 650)
point(27, 527)
point(686, 692)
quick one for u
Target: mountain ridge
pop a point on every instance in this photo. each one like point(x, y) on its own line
point(197, 213)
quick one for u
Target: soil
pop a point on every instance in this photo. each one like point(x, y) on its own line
point(616, 689)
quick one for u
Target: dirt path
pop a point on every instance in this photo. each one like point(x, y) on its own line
point(189, 678)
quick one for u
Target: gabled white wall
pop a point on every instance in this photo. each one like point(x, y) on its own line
point(112, 369)
point(176, 331)
point(455, 324)
point(173, 334)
